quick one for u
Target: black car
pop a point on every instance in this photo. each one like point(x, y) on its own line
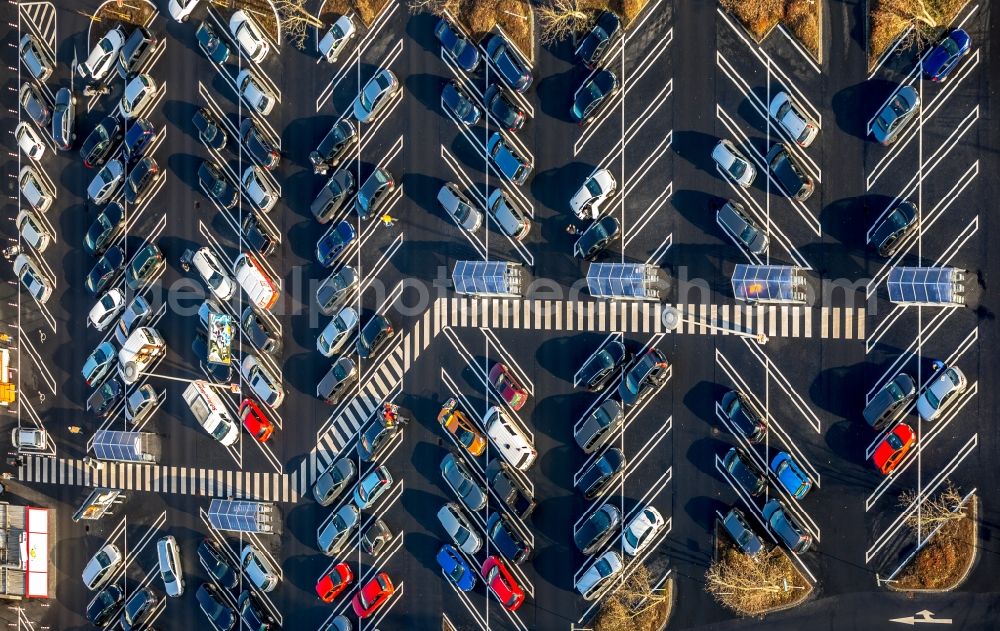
point(507, 63)
point(333, 148)
point(332, 197)
point(140, 133)
point(259, 235)
point(259, 148)
point(105, 603)
point(597, 237)
point(791, 179)
point(259, 331)
point(374, 335)
point(503, 109)
point(602, 366)
point(745, 471)
point(108, 224)
point(597, 529)
point(97, 146)
point(646, 375)
point(595, 45)
point(107, 268)
point(219, 373)
point(373, 193)
point(211, 558)
point(217, 184)
point(595, 93)
point(735, 523)
point(375, 437)
point(455, 100)
point(894, 227)
point(105, 397)
point(137, 607)
point(506, 540)
point(462, 50)
point(605, 470)
point(209, 129)
point(140, 179)
point(254, 615)
point(135, 51)
point(509, 489)
point(213, 46)
point(375, 538)
point(146, 263)
point(743, 417)
point(219, 614)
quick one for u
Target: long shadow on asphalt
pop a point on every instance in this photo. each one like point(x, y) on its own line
point(180, 113)
point(828, 390)
point(301, 136)
point(560, 355)
point(423, 190)
point(701, 398)
point(554, 187)
point(698, 207)
point(702, 452)
point(554, 416)
point(302, 520)
point(185, 167)
point(855, 105)
point(299, 190)
point(555, 93)
point(426, 87)
point(420, 28)
point(702, 510)
point(848, 219)
point(696, 148)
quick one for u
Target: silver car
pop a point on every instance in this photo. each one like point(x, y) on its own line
point(37, 284)
point(249, 36)
point(107, 182)
point(64, 119)
point(333, 42)
point(599, 574)
point(102, 58)
point(459, 208)
point(457, 525)
point(337, 332)
point(100, 566)
point(37, 59)
point(29, 439)
point(264, 384)
point(169, 558)
point(797, 125)
point(335, 288)
point(948, 382)
point(252, 90)
point(734, 163)
point(375, 95)
point(259, 189)
point(332, 482)
point(258, 568)
point(32, 230)
point(512, 221)
point(336, 529)
point(458, 478)
point(733, 219)
point(139, 95)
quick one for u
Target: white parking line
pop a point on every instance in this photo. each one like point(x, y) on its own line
point(493, 342)
point(354, 57)
point(647, 215)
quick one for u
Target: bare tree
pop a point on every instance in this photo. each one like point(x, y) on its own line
point(632, 606)
point(751, 585)
point(434, 7)
point(944, 507)
point(296, 21)
point(560, 19)
point(927, 18)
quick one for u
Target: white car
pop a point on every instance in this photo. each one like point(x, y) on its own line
point(335, 39)
point(256, 96)
point(948, 382)
point(102, 59)
point(337, 331)
point(802, 130)
point(139, 94)
point(213, 273)
point(107, 309)
point(32, 230)
point(29, 439)
point(641, 531)
point(586, 202)
point(259, 189)
point(29, 141)
point(249, 36)
point(101, 566)
point(37, 284)
point(171, 571)
point(734, 163)
point(604, 569)
point(36, 190)
point(107, 182)
point(181, 10)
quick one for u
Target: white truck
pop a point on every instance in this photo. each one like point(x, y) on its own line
point(143, 346)
point(210, 412)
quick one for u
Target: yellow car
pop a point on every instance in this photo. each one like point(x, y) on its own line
point(459, 426)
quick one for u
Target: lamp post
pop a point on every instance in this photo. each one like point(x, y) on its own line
point(672, 318)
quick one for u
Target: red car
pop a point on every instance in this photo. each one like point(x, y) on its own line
point(373, 595)
point(255, 421)
point(893, 448)
point(334, 583)
point(507, 387)
point(502, 584)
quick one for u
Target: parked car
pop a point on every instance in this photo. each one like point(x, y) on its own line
point(249, 36)
point(504, 110)
point(506, 540)
point(146, 264)
point(735, 523)
point(376, 437)
point(258, 569)
point(134, 316)
point(641, 530)
point(252, 89)
point(799, 127)
point(136, 50)
point(603, 366)
point(893, 448)
point(509, 218)
point(595, 190)
point(745, 471)
point(209, 128)
point(785, 528)
point(140, 180)
point(335, 288)
point(892, 229)
point(334, 479)
point(36, 58)
point(29, 439)
point(734, 221)
point(336, 333)
point(258, 146)
point(137, 608)
point(101, 609)
point(595, 93)
point(372, 596)
point(181, 10)
point(595, 429)
point(728, 158)
point(140, 404)
point(507, 438)
point(255, 421)
point(373, 193)
point(64, 120)
point(99, 363)
point(601, 473)
point(107, 226)
point(334, 243)
point(256, 282)
point(947, 383)
point(100, 142)
point(790, 475)
point(29, 141)
point(264, 384)
point(260, 235)
point(596, 43)
point(33, 231)
point(458, 207)
point(36, 190)
point(507, 386)
point(459, 479)
point(139, 94)
point(507, 63)
point(457, 102)
point(254, 616)
point(219, 614)
point(103, 56)
point(260, 331)
point(34, 104)
point(337, 380)
point(599, 574)
point(375, 96)
point(790, 176)
point(944, 57)
point(461, 50)
point(217, 185)
point(372, 486)
point(138, 136)
point(890, 398)
point(743, 417)
point(38, 284)
point(465, 433)
point(335, 40)
point(210, 43)
point(214, 562)
point(375, 334)
point(459, 528)
point(101, 566)
point(168, 559)
point(598, 236)
point(509, 488)
point(333, 196)
point(455, 568)
point(502, 584)
point(333, 148)
point(334, 582)
point(107, 182)
point(259, 189)
point(508, 161)
point(335, 531)
point(646, 375)
point(599, 527)
point(896, 115)
point(107, 269)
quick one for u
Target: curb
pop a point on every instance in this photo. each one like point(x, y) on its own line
point(968, 569)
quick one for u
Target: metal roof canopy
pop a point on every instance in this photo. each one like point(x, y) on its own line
point(487, 277)
point(623, 280)
point(926, 285)
point(126, 446)
point(767, 283)
point(241, 515)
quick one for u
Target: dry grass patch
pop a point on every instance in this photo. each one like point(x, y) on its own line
point(753, 587)
point(944, 562)
point(635, 606)
point(888, 19)
point(131, 14)
point(760, 16)
point(366, 10)
point(478, 17)
point(260, 10)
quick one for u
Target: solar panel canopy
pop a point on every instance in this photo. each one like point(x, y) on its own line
point(922, 285)
point(766, 283)
point(487, 277)
point(125, 446)
point(239, 515)
point(622, 280)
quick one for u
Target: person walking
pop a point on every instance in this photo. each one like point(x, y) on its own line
point(388, 220)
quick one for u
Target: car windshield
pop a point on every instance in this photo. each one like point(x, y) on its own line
point(464, 436)
point(932, 398)
point(737, 168)
point(220, 431)
point(603, 567)
point(593, 187)
point(457, 572)
point(894, 441)
point(462, 106)
point(950, 46)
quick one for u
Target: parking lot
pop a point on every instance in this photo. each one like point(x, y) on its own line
point(688, 76)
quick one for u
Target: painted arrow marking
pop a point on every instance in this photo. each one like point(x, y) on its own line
point(921, 617)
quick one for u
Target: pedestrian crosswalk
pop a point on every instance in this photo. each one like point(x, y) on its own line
point(263, 486)
point(644, 317)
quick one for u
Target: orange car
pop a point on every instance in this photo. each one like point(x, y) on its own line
point(459, 426)
point(893, 448)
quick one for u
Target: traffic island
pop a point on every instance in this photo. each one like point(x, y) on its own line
point(263, 12)
point(637, 605)
point(566, 19)
point(902, 23)
point(365, 10)
point(754, 586)
point(945, 562)
point(110, 16)
point(513, 18)
point(760, 17)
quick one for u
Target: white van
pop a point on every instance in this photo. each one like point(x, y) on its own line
point(255, 281)
point(513, 445)
point(141, 348)
point(210, 413)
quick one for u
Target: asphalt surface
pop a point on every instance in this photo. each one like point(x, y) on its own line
point(690, 76)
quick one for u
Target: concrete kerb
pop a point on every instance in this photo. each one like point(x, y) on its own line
point(974, 515)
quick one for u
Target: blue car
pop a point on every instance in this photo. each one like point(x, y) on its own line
point(945, 56)
point(792, 478)
point(507, 63)
point(332, 244)
point(461, 49)
point(455, 568)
